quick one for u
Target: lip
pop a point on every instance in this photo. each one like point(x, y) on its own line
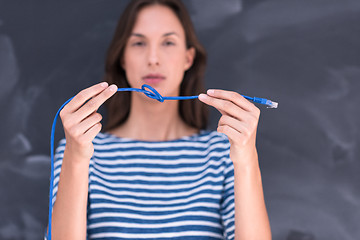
point(153, 78)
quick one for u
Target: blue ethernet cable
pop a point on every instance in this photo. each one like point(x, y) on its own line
point(151, 94)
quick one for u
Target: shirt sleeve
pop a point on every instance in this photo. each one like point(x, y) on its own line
point(228, 199)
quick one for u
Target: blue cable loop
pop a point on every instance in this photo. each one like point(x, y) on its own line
point(151, 94)
point(155, 94)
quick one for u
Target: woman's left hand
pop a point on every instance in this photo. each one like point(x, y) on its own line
point(239, 122)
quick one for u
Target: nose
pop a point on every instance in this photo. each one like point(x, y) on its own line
point(153, 56)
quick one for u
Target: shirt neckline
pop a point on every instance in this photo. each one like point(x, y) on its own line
point(127, 139)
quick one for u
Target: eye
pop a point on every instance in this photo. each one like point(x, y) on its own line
point(169, 43)
point(138, 44)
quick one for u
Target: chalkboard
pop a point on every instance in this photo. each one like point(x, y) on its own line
point(303, 54)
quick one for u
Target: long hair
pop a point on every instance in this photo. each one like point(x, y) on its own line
point(193, 113)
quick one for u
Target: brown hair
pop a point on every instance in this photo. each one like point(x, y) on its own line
point(193, 113)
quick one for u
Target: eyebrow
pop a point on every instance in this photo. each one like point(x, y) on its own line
point(164, 35)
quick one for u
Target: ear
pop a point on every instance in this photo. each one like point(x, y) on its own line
point(190, 56)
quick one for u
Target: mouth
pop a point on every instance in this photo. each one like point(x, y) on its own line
point(153, 78)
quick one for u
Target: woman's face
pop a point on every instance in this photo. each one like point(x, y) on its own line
point(156, 53)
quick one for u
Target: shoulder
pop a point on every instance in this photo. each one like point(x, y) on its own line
point(214, 137)
point(104, 138)
point(213, 142)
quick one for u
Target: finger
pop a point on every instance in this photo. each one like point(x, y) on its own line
point(233, 135)
point(89, 122)
point(234, 97)
point(237, 125)
point(244, 129)
point(84, 96)
point(93, 104)
point(224, 106)
point(91, 133)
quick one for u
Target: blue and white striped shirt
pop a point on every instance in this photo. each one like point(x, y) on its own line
point(177, 189)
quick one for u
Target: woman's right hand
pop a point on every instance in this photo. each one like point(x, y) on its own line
point(81, 121)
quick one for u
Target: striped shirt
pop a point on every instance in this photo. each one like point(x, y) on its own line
point(177, 189)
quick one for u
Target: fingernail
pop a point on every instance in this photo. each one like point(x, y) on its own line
point(104, 84)
point(113, 88)
point(202, 96)
point(210, 91)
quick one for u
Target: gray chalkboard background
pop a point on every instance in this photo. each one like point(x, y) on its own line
point(304, 54)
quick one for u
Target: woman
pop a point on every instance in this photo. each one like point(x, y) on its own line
point(155, 172)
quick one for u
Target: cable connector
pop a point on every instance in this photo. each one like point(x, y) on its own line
point(268, 103)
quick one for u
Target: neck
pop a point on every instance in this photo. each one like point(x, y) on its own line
point(151, 120)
